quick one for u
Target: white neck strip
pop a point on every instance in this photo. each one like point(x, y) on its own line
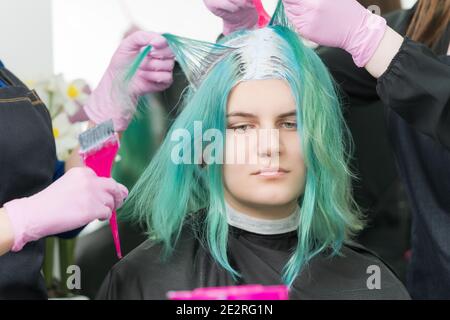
point(262, 226)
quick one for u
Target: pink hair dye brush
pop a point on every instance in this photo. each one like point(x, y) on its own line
point(245, 292)
point(263, 16)
point(99, 147)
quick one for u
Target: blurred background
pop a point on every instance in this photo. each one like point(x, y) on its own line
point(78, 37)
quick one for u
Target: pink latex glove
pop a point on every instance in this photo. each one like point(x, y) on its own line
point(73, 201)
point(343, 24)
point(236, 14)
point(154, 75)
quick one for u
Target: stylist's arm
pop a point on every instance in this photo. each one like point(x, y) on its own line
point(412, 79)
point(74, 200)
point(347, 25)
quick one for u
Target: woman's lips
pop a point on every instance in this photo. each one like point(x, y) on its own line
point(271, 172)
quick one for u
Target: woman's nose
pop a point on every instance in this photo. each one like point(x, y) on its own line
point(268, 143)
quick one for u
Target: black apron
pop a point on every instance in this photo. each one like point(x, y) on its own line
point(27, 164)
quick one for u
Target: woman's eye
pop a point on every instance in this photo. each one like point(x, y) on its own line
point(242, 128)
point(289, 125)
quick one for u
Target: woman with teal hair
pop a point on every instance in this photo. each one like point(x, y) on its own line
point(283, 212)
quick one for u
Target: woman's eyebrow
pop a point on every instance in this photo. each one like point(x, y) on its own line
point(292, 113)
point(241, 114)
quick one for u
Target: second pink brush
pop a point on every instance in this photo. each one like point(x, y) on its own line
point(263, 16)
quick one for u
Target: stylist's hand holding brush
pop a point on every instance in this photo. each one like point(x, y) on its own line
point(71, 202)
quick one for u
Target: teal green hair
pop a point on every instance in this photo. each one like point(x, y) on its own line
point(167, 193)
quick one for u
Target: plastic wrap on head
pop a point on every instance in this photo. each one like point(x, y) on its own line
point(258, 55)
point(196, 58)
point(257, 51)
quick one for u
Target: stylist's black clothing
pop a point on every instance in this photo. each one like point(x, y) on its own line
point(27, 163)
point(415, 92)
point(424, 76)
point(425, 105)
point(424, 166)
point(258, 258)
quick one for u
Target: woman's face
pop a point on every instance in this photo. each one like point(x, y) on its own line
point(267, 175)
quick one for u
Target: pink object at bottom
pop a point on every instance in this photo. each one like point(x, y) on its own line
point(245, 292)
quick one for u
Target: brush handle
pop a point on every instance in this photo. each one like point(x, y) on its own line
point(263, 16)
point(115, 232)
point(101, 161)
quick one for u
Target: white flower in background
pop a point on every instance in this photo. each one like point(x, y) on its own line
point(64, 101)
point(60, 95)
point(74, 95)
point(66, 135)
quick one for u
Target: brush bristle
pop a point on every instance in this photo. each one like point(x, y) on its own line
point(96, 136)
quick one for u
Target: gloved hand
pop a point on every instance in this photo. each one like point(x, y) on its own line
point(236, 14)
point(343, 24)
point(71, 202)
point(154, 75)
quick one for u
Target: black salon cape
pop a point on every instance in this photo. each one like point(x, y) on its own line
point(414, 94)
point(259, 258)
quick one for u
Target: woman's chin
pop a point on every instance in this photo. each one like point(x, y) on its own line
point(273, 198)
